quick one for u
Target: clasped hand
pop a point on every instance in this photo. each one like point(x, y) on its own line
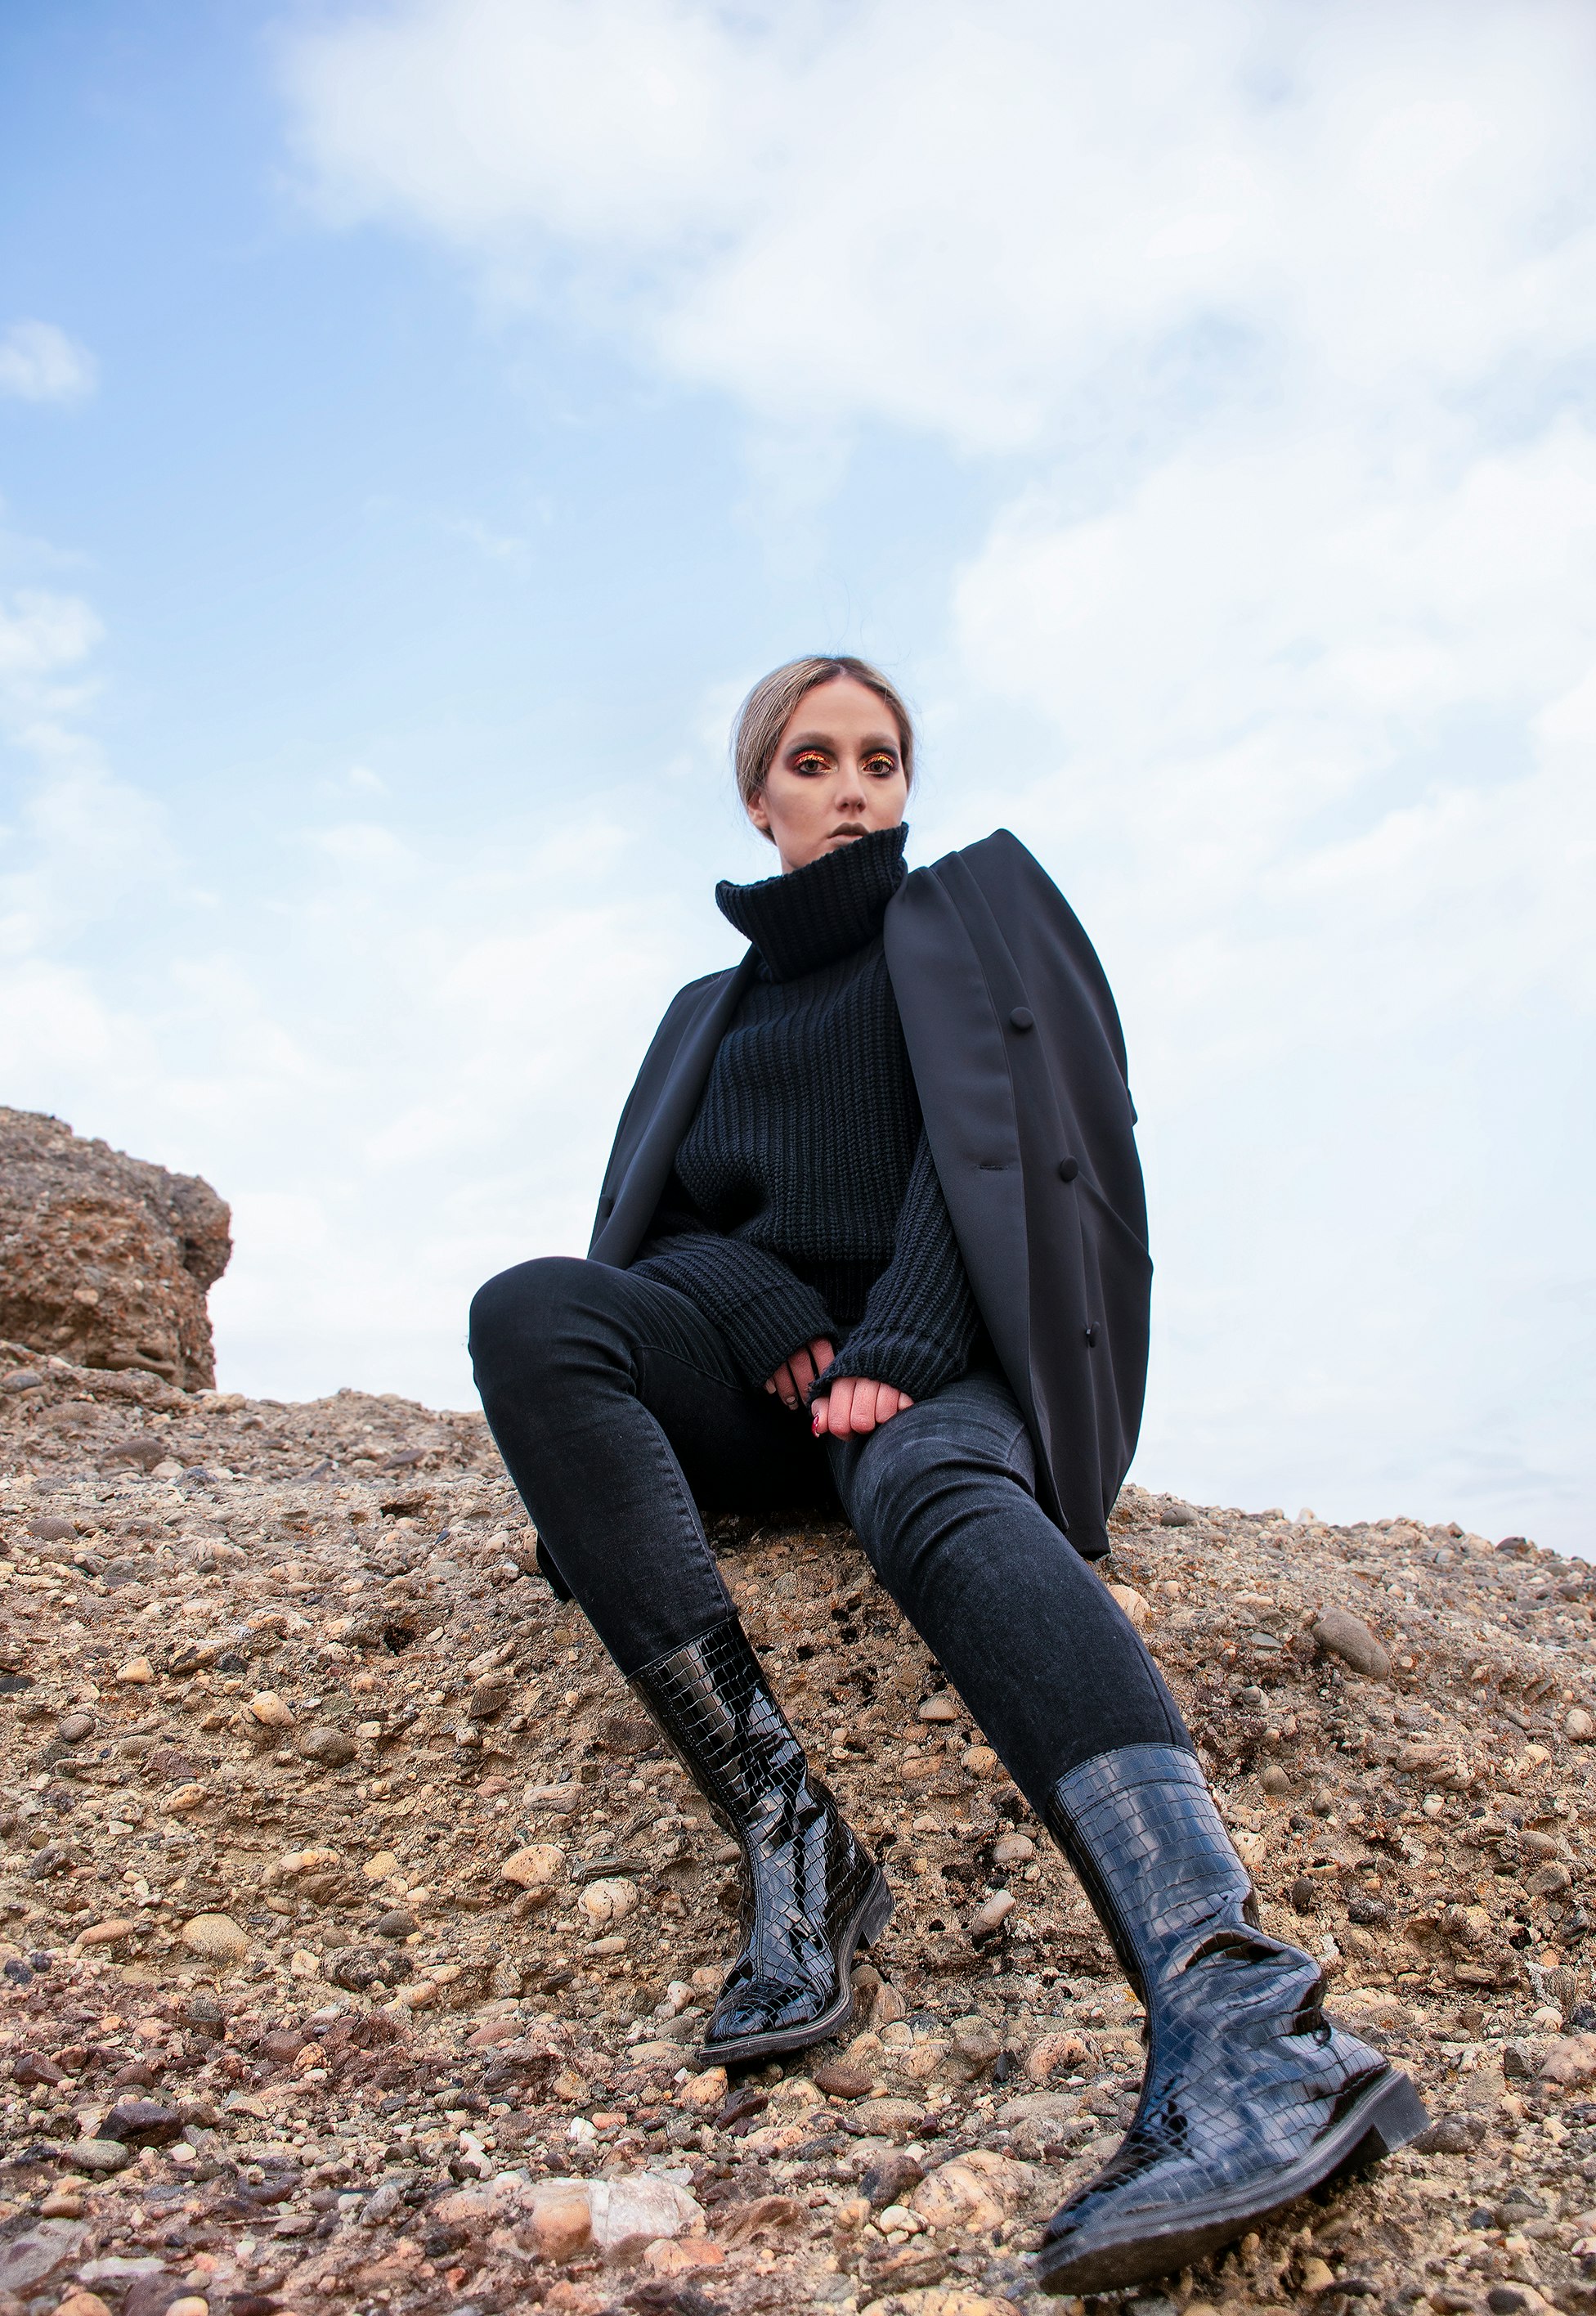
point(854, 1403)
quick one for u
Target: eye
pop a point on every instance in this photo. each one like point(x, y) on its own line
point(881, 767)
point(809, 762)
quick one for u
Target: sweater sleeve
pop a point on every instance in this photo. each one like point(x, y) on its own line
point(764, 1311)
point(921, 1321)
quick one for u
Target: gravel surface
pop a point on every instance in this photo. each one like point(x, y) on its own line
point(356, 1931)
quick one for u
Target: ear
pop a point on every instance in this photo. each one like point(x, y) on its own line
point(759, 812)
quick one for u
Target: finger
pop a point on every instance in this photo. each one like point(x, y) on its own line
point(819, 1411)
point(823, 1352)
point(889, 1399)
point(803, 1371)
point(786, 1386)
point(840, 1407)
point(861, 1414)
point(770, 1383)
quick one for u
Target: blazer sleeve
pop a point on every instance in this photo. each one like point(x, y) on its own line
point(920, 1319)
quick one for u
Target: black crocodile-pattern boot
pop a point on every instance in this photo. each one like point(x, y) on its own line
point(811, 1890)
point(1251, 2096)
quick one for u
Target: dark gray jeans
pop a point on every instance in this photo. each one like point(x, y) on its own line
point(618, 1411)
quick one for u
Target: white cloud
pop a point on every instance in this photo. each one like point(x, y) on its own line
point(995, 224)
point(40, 363)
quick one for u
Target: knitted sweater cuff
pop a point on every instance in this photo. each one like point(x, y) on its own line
point(911, 1363)
point(763, 1312)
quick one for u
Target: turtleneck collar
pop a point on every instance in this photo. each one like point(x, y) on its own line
point(822, 912)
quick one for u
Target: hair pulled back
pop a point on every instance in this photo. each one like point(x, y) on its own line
point(765, 713)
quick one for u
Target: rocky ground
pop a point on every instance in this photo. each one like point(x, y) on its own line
point(358, 1932)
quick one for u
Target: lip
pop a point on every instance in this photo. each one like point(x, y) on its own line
point(848, 831)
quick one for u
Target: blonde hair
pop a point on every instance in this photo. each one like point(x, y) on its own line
point(765, 713)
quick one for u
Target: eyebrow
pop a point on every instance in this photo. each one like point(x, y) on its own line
point(824, 740)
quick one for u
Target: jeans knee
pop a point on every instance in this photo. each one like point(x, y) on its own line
point(913, 1473)
point(517, 1317)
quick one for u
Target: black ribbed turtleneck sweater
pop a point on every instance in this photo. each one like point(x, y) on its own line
point(804, 1202)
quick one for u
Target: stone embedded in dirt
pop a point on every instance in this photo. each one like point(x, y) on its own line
point(143, 2123)
point(216, 1937)
point(991, 1913)
point(30, 2067)
point(608, 1900)
point(837, 2079)
point(330, 1748)
point(38, 2253)
point(532, 1868)
point(1570, 2060)
point(105, 1260)
point(1348, 1637)
point(102, 2155)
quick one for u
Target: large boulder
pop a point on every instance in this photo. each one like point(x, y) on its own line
point(105, 1260)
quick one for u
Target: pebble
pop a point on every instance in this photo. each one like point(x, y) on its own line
point(38, 2253)
point(941, 1708)
point(138, 1671)
point(270, 1710)
point(608, 1900)
point(837, 2079)
point(105, 2155)
point(217, 1937)
point(1342, 1634)
point(533, 1868)
point(991, 1913)
point(330, 1748)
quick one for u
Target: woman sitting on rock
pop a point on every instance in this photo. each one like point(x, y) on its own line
point(873, 1236)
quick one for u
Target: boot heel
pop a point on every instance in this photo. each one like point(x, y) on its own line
point(1398, 2116)
point(878, 1913)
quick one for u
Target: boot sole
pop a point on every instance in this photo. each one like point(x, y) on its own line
point(1384, 2116)
point(874, 1913)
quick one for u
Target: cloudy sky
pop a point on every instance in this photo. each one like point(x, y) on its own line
point(419, 422)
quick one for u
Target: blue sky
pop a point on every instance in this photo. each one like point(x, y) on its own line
point(418, 424)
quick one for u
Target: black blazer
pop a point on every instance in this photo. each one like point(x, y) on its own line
point(1020, 1067)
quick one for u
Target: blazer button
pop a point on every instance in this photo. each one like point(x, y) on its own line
point(1090, 1332)
point(1022, 1018)
point(1069, 1168)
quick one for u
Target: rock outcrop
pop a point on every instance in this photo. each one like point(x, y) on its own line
point(104, 1260)
point(357, 1932)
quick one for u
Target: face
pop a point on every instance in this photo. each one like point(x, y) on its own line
point(837, 774)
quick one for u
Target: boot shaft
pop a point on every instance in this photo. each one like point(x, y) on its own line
point(1140, 1827)
point(721, 1718)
